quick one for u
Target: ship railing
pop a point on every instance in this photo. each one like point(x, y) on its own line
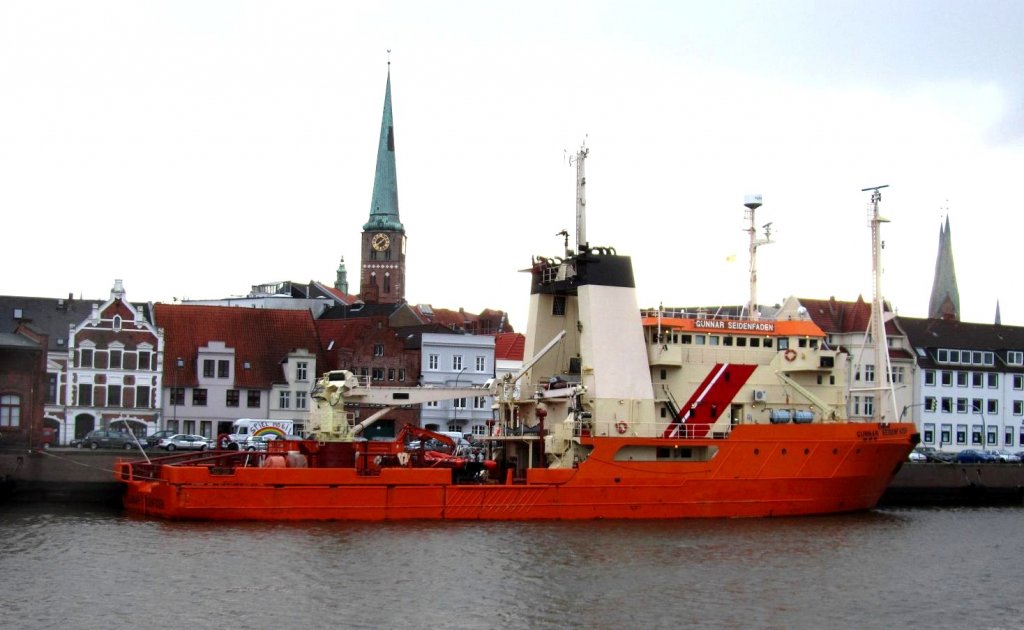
point(696, 431)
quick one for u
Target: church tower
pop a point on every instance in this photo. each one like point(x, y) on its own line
point(945, 299)
point(382, 272)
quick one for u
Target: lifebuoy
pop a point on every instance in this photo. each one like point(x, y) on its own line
point(790, 354)
point(621, 426)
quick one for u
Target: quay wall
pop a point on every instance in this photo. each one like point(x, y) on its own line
point(72, 475)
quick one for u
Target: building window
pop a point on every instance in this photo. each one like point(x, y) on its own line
point(479, 429)
point(929, 433)
point(869, 373)
point(992, 408)
point(929, 377)
point(479, 402)
point(85, 357)
point(975, 405)
point(199, 397)
point(113, 395)
point(1015, 357)
point(481, 364)
point(115, 359)
point(459, 403)
point(947, 405)
point(208, 365)
point(432, 403)
point(51, 388)
point(177, 396)
point(947, 378)
point(976, 434)
point(961, 405)
point(284, 400)
point(301, 400)
point(223, 368)
point(301, 370)
point(142, 393)
point(432, 362)
point(961, 379)
point(85, 395)
point(961, 434)
point(457, 362)
point(930, 403)
point(993, 380)
point(992, 434)
point(144, 360)
point(10, 410)
point(252, 398)
point(1018, 381)
point(946, 435)
point(231, 398)
point(131, 361)
point(401, 374)
point(1018, 407)
point(377, 374)
point(976, 379)
point(391, 374)
point(378, 349)
point(1008, 436)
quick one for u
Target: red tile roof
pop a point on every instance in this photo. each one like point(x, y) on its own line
point(509, 346)
point(261, 338)
point(836, 316)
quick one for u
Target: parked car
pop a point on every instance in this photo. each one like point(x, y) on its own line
point(1005, 456)
point(259, 442)
point(154, 440)
point(972, 456)
point(103, 438)
point(184, 441)
point(917, 456)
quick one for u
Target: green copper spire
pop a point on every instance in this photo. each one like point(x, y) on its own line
point(384, 205)
point(945, 299)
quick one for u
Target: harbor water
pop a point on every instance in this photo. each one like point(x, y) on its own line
point(83, 567)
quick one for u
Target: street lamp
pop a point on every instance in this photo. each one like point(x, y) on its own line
point(982, 416)
point(178, 364)
point(455, 416)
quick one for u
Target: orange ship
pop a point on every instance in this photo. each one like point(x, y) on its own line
point(615, 415)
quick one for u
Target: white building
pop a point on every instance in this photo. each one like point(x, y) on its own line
point(457, 361)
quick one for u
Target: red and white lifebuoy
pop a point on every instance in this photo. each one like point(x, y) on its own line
point(790, 354)
point(621, 426)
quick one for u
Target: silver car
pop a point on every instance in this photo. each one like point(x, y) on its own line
point(185, 441)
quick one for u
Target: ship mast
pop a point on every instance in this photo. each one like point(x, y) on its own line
point(886, 407)
point(753, 202)
point(581, 197)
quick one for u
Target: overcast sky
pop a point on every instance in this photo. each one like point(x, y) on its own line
point(194, 149)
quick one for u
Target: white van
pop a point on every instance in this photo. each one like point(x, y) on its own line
point(244, 429)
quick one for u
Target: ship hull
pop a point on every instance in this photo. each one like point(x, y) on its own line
point(757, 471)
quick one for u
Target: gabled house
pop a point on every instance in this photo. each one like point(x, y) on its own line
point(229, 363)
point(112, 377)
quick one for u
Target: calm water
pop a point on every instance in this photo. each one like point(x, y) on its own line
point(930, 568)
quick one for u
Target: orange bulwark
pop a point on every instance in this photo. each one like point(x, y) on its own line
point(758, 470)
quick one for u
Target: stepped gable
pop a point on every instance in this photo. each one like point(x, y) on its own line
point(509, 346)
point(260, 337)
point(932, 333)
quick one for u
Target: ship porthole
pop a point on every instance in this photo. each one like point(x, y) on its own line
point(757, 451)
